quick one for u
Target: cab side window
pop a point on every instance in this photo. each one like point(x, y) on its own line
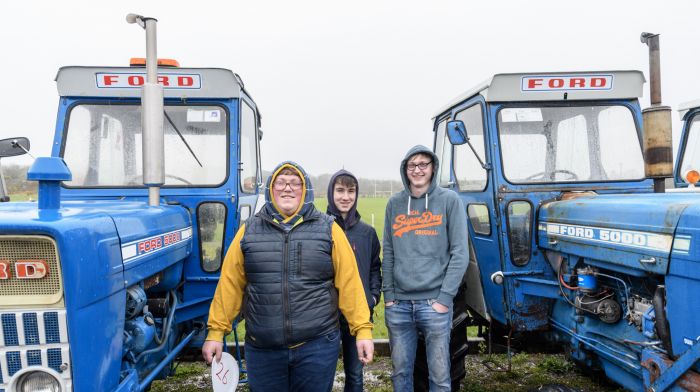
point(469, 174)
point(443, 149)
point(248, 149)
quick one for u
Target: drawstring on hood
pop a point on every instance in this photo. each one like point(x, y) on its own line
point(353, 216)
point(418, 149)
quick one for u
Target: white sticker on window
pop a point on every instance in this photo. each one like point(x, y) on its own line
point(194, 115)
point(212, 115)
point(521, 114)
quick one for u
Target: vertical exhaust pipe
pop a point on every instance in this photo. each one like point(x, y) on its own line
point(657, 143)
point(151, 114)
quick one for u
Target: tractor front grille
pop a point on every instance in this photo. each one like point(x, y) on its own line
point(16, 291)
point(33, 338)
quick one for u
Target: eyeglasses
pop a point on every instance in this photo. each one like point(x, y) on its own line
point(280, 185)
point(422, 166)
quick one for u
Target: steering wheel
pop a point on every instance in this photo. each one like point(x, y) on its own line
point(539, 175)
point(133, 179)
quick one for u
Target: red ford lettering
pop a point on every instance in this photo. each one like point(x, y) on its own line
point(110, 79)
point(4, 270)
point(534, 83)
point(566, 83)
point(135, 80)
point(171, 238)
point(31, 269)
point(598, 82)
point(150, 245)
point(185, 81)
point(556, 83)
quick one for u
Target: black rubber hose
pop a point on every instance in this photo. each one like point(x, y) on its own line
point(661, 324)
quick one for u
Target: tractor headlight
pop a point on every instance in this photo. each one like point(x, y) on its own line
point(37, 381)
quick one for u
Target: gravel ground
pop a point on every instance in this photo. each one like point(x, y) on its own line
point(529, 372)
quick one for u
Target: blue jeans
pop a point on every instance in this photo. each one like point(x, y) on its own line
point(404, 320)
point(351, 360)
point(309, 367)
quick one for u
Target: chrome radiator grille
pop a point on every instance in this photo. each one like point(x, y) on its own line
point(33, 338)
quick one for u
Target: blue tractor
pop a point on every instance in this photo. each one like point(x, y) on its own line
point(573, 238)
point(109, 275)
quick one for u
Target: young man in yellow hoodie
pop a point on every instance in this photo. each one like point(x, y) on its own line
point(290, 268)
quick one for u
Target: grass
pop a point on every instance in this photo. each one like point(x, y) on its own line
point(528, 373)
point(23, 197)
point(368, 207)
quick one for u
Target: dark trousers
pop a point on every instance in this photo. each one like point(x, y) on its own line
point(351, 360)
point(306, 368)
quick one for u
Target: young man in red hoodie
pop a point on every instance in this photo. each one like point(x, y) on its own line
point(342, 204)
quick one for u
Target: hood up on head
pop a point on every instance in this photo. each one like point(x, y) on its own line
point(353, 216)
point(307, 196)
point(419, 149)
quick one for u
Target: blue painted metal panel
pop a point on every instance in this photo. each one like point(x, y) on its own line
point(51, 327)
point(684, 278)
point(34, 357)
point(14, 362)
point(31, 328)
point(55, 359)
point(618, 232)
point(9, 327)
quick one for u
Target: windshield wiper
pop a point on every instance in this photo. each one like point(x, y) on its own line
point(182, 137)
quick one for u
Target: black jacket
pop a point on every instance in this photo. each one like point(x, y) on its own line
point(295, 300)
point(365, 243)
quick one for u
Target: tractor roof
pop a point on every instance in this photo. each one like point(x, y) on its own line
point(125, 82)
point(555, 86)
point(684, 107)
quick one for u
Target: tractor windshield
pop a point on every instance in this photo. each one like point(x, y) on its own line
point(103, 148)
point(691, 154)
point(549, 144)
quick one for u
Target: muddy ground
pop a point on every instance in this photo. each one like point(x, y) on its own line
point(528, 373)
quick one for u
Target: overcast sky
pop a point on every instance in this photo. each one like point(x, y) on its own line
point(342, 84)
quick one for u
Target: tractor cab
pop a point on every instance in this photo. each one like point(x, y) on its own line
point(519, 141)
point(687, 171)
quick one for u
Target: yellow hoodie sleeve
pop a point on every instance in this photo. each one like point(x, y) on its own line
point(351, 300)
point(229, 292)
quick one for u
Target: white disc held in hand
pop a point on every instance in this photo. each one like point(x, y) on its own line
point(224, 374)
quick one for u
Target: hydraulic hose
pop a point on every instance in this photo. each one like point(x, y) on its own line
point(166, 329)
point(661, 324)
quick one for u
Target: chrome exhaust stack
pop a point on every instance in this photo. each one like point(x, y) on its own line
point(151, 114)
point(657, 138)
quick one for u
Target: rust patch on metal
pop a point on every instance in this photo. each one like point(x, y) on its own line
point(152, 281)
point(689, 381)
point(658, 155)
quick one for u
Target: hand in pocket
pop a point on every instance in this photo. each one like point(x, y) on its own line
point(440, 308)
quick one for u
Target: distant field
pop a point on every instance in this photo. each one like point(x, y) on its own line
point(23, 197)
point(367, 207)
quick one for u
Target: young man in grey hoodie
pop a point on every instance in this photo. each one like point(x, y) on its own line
point(425, 257)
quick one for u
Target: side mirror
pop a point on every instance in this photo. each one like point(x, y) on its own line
point(13, 146)
point(457, 132)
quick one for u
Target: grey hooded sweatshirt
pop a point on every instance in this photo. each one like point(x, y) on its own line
point(425, 241)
